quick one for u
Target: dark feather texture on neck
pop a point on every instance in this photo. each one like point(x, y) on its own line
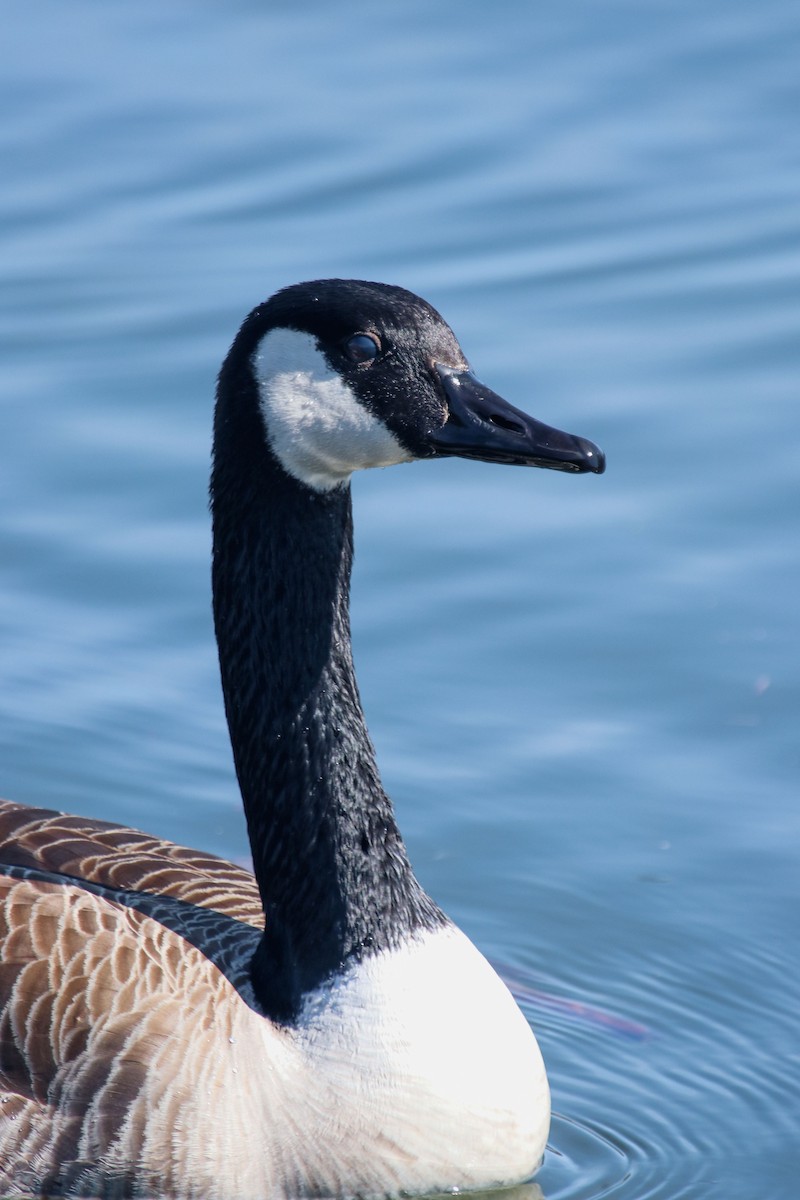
point(330, 863)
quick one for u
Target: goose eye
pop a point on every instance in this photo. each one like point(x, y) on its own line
point(362, 347)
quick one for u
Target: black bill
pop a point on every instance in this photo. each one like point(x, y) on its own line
point(483, 425)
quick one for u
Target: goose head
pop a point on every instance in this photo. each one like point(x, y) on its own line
point(351, 374)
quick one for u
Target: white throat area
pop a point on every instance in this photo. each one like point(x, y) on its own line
point(315, 424)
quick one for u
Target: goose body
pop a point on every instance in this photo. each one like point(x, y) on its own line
point(170, 1024)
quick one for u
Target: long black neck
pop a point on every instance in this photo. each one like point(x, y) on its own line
point(330, 863)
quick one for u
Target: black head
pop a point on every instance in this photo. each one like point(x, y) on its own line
point(352, 374)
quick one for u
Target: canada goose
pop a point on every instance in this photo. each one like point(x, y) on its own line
point(170, 1024)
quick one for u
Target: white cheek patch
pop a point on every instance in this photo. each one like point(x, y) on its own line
point(316, 426)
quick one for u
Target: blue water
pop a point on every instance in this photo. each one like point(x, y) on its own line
point(584, 691)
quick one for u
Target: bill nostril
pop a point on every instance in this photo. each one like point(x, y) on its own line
point(504, 423)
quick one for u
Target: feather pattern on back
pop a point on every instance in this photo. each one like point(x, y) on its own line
point(98, 983)
point(95, 997)
point(116, 856)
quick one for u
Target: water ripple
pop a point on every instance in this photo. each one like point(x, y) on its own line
point(658, 1068)
point(580, 1163)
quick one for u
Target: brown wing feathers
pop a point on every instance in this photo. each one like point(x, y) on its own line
point(93, 992)
point(116, 856)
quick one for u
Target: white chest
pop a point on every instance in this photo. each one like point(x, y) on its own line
point(416, 1072)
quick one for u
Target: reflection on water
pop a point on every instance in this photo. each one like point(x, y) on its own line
point(584, 698)
point(525, 1191)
